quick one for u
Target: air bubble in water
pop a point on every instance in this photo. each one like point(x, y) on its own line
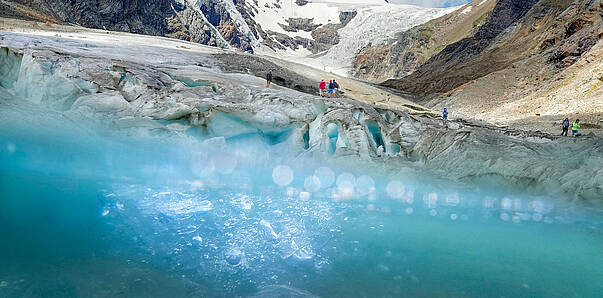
point(233, 256)
point(326, 176)
point(282, 175)
point(395, 189)
point(365, 185)
point(11, 148)
point(206, 205)
point(312, 184)
point(346, 182)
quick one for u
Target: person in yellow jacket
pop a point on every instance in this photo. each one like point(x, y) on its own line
point(575, 127)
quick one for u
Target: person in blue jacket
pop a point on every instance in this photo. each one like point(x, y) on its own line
point(445, 114)
point(565, 126)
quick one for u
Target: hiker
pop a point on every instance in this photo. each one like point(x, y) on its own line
point(331, 86)
point(268, 78)
point(575, 127)
point(445, 114)
point(565, 125)
point(335, 88)
point(321, 88)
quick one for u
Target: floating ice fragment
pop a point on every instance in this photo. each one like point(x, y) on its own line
point(268, 228)
point(186, 206)
point(198, 238)
point(282, 175)
point(244, 202)
point(299, 253)
point(105, 212)
point(453, 216)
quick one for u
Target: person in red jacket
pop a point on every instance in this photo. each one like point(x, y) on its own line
point(321, 87)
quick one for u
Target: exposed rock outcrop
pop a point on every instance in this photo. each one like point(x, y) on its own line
point(401, 55)
point(514, 31)
point(300, 24)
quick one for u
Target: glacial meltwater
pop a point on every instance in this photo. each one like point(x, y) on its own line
point(86, 213)
point(142, 170)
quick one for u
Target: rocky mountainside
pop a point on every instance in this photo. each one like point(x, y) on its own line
point(560, 31)
point(273, 27)
point(401, 55)
point(531, 61)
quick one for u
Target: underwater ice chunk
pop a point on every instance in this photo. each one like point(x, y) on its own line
point(268, 228)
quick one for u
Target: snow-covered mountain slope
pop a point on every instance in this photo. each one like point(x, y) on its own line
point(329, 33)
point(324, 33)
point(373, 25)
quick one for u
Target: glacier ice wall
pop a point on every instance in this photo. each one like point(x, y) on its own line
point(202, 102)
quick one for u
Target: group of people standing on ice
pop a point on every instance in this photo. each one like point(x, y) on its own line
point(324, 89)
point(331, 88)
point(565, 124)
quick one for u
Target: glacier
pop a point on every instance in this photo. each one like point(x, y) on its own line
point(140, 169)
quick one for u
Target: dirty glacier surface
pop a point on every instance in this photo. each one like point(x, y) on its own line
point(126, 177)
